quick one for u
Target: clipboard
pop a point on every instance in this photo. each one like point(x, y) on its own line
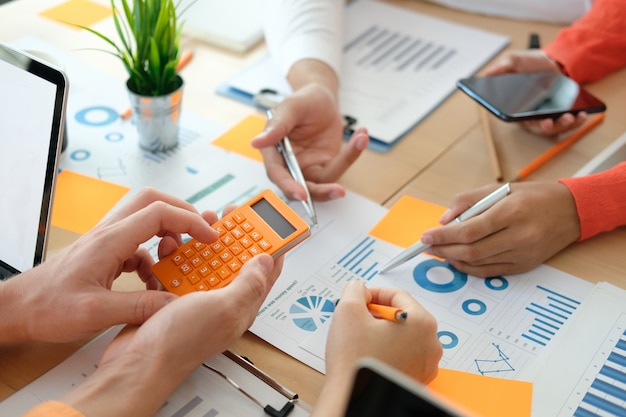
point(398, 66)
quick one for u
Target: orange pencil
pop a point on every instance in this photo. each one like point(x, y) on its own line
point(182, 63)
point(542, 159)
point(387, 312)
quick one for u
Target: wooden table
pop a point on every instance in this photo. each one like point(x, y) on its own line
point(443, 155)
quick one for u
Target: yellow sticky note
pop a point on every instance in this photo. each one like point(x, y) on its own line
point(405, 222)
point(238, 138)
point(78, 13)
point(80, 202)
point(483, 396)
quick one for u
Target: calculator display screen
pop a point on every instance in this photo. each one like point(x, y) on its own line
point(273, 218)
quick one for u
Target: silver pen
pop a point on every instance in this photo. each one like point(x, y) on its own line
point(474, 210)
point(285, 149)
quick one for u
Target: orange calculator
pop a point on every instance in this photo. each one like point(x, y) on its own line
point(264, 224)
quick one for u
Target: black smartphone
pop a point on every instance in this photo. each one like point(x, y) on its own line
point(380, 390)
point(530, 95)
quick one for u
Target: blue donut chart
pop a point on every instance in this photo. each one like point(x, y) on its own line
point(454, 340)
point(474, 307)
point(420, 275)
point(110, 114)
point(497, 283)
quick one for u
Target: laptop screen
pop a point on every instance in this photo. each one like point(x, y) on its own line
point(32, 103)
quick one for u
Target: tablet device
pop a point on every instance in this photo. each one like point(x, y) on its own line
point(380, 390)
point(33, 104)
point(530, 95)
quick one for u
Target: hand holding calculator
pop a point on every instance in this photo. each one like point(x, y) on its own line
point(264, 224)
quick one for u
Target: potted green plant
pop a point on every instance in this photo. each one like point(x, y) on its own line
point(149, 48)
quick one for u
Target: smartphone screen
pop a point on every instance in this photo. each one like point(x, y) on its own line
point(532, 95)
point(378, 391)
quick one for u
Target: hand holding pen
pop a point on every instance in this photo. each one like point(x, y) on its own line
point(286, 151)
point(476, 209)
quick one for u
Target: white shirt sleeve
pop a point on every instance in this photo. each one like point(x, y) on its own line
point(304, 29)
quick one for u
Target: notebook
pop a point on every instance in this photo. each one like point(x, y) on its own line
point(33, 101)
point(232, 24)
point(380, 390)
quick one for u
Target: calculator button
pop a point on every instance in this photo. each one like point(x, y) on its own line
point(244, 257)
point(204, 271)
point(236, 249)
point(193, 278)
point(256, 235)
point(197, 245)
point(196, 261)
point(238, 217)
point(228, 240)
point(178, 259)
point(264, 244)
point(223, 272)
point(185, 268)
point(246, 242)
point(175, 283)
point(215, 263)
point(234, 265)
point(206, 254)
point(254, 250)
point(229, 223)
point(237, 232)
point(213, 280)
point(219, 229)
point(189, 252)
point(202, 287)
point(226, 256)
point(247, 227)
point(217, 247)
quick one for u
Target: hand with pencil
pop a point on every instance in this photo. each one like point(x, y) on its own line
point(356, 331)
point(537, 220)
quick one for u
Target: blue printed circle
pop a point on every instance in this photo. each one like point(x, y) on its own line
point(80, 155)
point(452, 341)
point(497, 283)
point(474, 307)
point(96, 116)
point(455, 278)
point(114, 137)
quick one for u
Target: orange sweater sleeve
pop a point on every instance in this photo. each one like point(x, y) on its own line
point(53, 409)
point(594, 45)
point(600, 200)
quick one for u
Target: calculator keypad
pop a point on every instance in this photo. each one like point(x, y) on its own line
point(197, 266)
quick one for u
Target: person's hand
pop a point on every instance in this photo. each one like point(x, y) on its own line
point(533, 223)
point(144, 364)
point(311, 119)
point(533, 60)
point(69, 297)
point(411, 346)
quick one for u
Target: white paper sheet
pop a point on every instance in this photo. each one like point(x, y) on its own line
point(586, 373)
point(496, 327)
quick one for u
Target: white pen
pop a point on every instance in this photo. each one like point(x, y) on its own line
point(285, 149)
point(474, 210)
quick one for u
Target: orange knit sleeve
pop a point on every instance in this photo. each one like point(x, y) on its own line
point(53, 409)
point(594, 45)
point(600, 200)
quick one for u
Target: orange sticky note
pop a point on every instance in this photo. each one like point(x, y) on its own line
point(80, 202)
point(484, 396)
point(78, 13)
point(237, 139)
point(407, 219)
